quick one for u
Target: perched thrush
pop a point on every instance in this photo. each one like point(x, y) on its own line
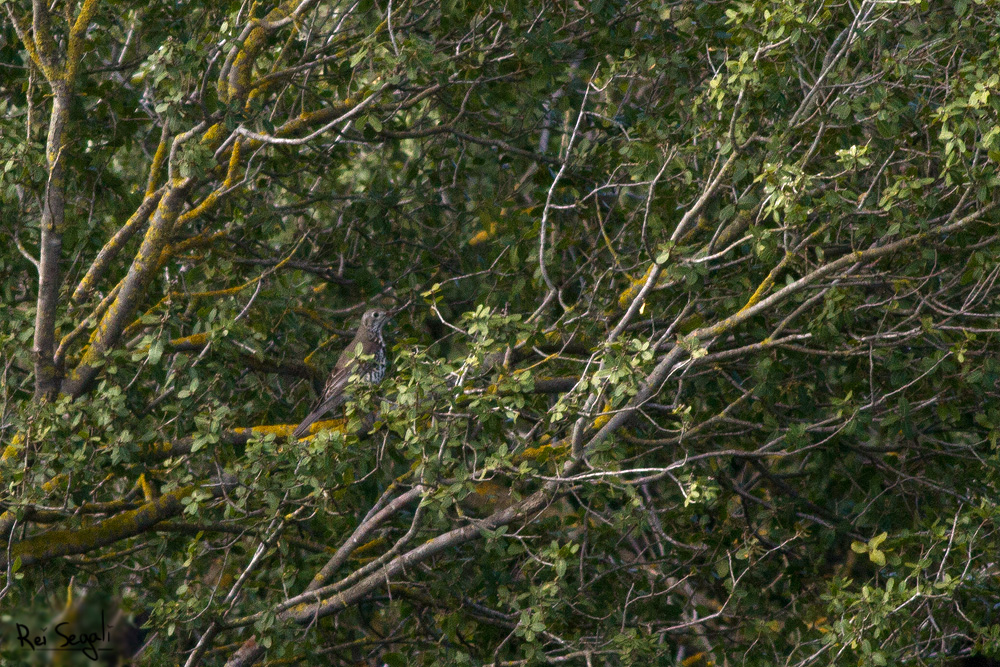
point(368, 342)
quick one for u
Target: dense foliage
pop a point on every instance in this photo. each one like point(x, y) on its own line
point(695, 358)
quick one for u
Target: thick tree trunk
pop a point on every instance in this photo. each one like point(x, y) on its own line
point(50, 248)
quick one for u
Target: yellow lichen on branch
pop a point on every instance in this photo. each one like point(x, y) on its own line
point(234, 164)
point(149, 493)
point(484, 235)
point(28, 42)
point(185, 343)
point(543, 452)
point(213, 135)
point(240, 74)
point(13, 449)
point(193, 342)
point(197, 241)
point(601, 421)
point(359, 553)
point(156, 166)
point(767, 283)
point(74, 51)
point(267, 83)
point(159, 451)
point(281, 430)
point(309, 357)
point(772, 276)
point(636, 285)
point(57, 543)
point(210, 201)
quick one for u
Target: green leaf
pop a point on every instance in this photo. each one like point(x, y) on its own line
point(155, 352)
point(359, 56)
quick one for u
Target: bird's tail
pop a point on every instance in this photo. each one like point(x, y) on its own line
point(303, 428)
point(317, 412)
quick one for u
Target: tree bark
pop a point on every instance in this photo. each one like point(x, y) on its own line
point(50, 247)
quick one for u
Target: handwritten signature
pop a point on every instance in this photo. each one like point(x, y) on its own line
point(85, 643)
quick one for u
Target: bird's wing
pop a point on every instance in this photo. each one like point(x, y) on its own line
point(333, 396)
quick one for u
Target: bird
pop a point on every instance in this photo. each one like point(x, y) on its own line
point(368, 341)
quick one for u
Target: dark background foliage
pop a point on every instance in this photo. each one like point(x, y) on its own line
point(694, 350)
